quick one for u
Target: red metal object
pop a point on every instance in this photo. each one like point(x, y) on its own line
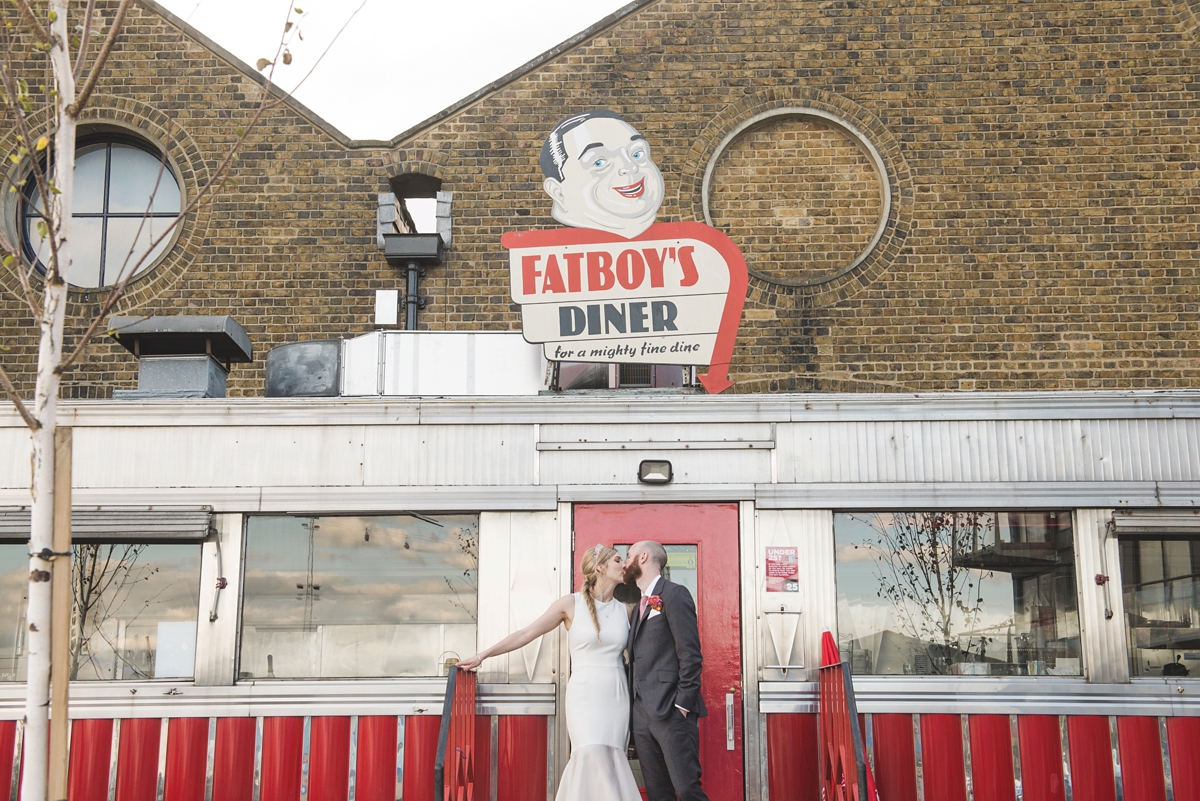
point(329, 759)
point(91, 754)
point(1183, 743)
point(375, 773)
point(420, 751)
point(713, 529)
point(845, 773)
point(895, 757)
point(454, 769)
point(282, 759)
point(992, 758)
point(233, 760)
point(792, 752)
point(137, 762)
point(8, 745)
point(522, 757)
point(1090, 746)
point(187, 759)
point(1141, 759)
point(1041, 758)
point(483, 757)
point(942, 765)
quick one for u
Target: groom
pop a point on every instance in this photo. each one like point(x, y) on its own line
point(664, 678)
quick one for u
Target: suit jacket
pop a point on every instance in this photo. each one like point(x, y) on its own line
point(664, 654)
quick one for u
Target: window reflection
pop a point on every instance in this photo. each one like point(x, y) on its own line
point(133, 611)
point(1161, 581)
point(350, 597)
point(957, 593)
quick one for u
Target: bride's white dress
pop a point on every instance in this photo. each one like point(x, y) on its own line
point(597, 707)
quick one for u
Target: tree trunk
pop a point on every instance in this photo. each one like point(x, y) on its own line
point(50, 355)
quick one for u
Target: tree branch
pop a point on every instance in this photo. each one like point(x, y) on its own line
point(85, 38)
point(39, 30)
point(114, 30)
point(22, 410)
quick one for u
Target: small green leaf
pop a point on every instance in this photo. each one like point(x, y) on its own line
point(53, 16)
point(262, 64)
point(240, 131)
point(287, 57)
point(42, 143)
point(14, 158)
point(299, 10)
point(288, 26)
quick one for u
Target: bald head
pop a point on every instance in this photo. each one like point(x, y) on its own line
point(656, 554)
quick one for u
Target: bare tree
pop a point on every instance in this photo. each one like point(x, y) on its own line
point(921, 570)
point(37, 39)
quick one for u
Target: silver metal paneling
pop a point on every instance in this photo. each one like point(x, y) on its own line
point(976, 495)
point(1156, 522)
point(1101, 606)
point(811, 533)
point(663, 432)
point(919, 451)
point(689, 467)
point(1030, 696)
point(220, 608)
point(121, 524)
point(221, 456)
point(447, 455)
point(753, 741)
point(14, 458)
point(655, 493)
point(155, 699)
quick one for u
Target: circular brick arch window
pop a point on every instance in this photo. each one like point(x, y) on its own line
point(803, 194)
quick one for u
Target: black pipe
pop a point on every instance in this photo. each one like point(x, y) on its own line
point(412, 300)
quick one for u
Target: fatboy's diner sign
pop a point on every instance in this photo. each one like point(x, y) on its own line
point(616, 286)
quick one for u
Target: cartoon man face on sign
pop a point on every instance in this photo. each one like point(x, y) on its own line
point(600, 175)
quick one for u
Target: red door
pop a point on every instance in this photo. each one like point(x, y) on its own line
point(702, 554)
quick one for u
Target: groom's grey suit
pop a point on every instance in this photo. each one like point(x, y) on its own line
point(664, 677)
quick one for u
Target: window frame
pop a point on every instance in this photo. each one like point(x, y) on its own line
point(27, 218)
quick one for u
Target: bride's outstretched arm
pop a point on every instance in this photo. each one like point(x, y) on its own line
point(559, 612)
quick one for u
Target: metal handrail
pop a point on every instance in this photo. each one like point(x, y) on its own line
point(456, 739)
point(840, 733)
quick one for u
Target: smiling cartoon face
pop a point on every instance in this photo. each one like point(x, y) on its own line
point(602, 175)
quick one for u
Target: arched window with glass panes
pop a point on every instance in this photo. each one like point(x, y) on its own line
point(126, 197)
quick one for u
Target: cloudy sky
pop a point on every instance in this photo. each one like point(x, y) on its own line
point(398, 61)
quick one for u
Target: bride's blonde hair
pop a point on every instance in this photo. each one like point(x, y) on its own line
point(593, 562)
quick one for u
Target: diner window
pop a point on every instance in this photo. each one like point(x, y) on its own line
point(957, 593)
point(1160, 576)
point(133, 613)
point(358, 597)
point(125, 199)
point(591, 375)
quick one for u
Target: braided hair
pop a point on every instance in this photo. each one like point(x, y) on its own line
point(594, 561)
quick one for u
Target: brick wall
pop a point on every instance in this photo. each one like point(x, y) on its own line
point(1042, 159)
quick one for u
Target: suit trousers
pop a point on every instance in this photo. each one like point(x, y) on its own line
point(669, 752)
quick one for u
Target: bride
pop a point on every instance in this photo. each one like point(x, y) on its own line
point(597, 698)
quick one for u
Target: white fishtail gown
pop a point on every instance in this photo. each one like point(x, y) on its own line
point(597, 707)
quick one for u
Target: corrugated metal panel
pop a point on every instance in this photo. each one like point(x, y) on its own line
point(1158, 523)
point(221, 456)
point(688, 467)
point(665, 432)
point(449, 455)
point(115, 524)
point(1105, 656)
point(14, 457)
point(996, 450)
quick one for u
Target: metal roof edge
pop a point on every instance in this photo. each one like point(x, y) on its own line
point(304, 111)
point(521, 71)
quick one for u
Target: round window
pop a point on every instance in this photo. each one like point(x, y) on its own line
point(126, 197)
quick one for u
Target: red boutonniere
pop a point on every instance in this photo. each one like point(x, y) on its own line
point(654, 602)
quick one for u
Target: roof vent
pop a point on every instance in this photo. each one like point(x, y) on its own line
point(181, 357)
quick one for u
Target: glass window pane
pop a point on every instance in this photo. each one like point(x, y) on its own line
point(1162, 606)
point(957, 593)
point(89, 179)
point(85, 249)
point(129, 239)
point(139, 181)
point(347, 597)
point(134, 614)
point(14, 582)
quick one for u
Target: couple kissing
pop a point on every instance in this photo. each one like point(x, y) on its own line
point(633, 667)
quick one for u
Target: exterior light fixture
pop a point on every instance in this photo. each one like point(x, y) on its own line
point(654, 472)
